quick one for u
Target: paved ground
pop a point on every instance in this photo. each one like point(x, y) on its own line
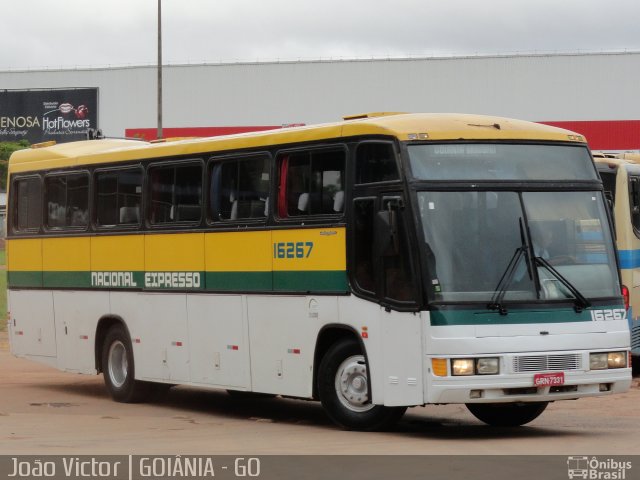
point(43, 411)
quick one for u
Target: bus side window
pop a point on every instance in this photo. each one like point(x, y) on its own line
point(376, 162)
point(242, 189)
point(176, 194)
point(634, 201)
point(119, 197)
point(67, 198)
point(311, 183)
point(28, 201)
point(609, 183)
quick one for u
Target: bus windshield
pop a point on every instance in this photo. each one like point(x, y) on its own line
point(492, 161)
point(472, 237)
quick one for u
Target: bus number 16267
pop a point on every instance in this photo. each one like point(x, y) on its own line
point(292, 249)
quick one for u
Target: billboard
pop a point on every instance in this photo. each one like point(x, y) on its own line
point(62, 115)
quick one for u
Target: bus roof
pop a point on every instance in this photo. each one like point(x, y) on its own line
point(405, 127)
point(616, 159)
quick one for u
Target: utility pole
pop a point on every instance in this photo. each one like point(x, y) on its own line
point(159, 132)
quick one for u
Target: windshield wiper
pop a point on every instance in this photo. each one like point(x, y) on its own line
point(507, 276)
point(505, 281)
point(580, 302)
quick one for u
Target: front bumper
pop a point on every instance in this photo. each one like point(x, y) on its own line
point(510, 386)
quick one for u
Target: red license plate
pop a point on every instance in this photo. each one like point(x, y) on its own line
point(548, 379)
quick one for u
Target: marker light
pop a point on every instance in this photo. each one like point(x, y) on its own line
point(625, 295)
point(439, 366)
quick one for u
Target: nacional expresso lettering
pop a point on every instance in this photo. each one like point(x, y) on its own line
point(151, 279)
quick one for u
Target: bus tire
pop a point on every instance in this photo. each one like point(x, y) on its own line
point(507, 414)
point(119, 370)
point(343, 389)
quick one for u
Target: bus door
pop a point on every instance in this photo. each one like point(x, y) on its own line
point(381, 270)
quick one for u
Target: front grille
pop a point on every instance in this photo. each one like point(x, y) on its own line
point(635, 337)
point(537, 363)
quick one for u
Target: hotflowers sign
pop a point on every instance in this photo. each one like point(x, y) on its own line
point(40, 115)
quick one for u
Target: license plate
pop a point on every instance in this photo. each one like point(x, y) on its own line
point(548, 379)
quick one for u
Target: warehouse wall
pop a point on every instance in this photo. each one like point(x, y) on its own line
point(579, 87)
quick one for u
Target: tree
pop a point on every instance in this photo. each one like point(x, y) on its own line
point(6, 149)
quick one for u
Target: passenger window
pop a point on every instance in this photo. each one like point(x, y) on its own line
point(67, 198)
point(241, 189)
point(119, 197)
point(176, 193)
point(376, 162)
point(28, 213)
point(311, 183)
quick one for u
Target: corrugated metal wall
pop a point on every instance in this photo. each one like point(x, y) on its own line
point(535, 87)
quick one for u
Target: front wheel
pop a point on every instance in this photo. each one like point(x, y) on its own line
point(343, 388)
point(118, 368)
point(507, 414)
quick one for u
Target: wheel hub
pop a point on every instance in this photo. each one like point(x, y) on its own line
point(118, 364)
point(352, 385)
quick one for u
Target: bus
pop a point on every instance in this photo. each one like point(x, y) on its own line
point(374, 264)
point(620, 175)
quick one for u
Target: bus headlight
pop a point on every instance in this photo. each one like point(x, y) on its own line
point(475, 366)
point(617, 359)
point(598, 361)
point(487, 366)
point(462, 366)
point(605, 360)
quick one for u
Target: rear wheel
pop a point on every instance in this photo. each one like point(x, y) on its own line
point(343, 388)
point(119, 369)
point(507, 414)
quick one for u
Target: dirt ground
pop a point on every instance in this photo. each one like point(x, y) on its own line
point(44, 411)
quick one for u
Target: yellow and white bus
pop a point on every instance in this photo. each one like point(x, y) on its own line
point(620, 175)
point(382, 262)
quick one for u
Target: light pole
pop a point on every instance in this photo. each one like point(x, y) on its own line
point(159, 132)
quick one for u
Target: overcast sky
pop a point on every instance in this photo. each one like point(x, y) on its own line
point(70, 33)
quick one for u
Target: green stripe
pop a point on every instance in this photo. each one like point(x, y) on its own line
point(17, 279)
point(474, 317)
point(66, 279)
point(239, 281)
point(289, 281)
point(315, 281)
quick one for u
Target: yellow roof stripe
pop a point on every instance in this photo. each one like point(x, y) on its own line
point(401, 126)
